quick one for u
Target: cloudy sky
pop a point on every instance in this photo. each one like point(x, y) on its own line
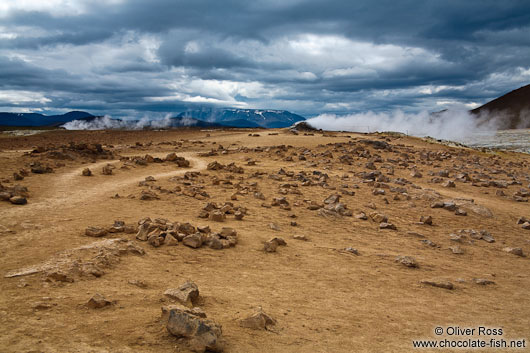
point(148, 58)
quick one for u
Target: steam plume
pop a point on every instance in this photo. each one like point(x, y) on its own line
point(450, 124)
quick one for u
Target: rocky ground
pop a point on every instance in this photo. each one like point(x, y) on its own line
point(256, 241)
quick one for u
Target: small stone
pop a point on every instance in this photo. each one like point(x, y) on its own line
point(456, 250)
point(460, 212)
point(170, 240)
point(526, 225)
point(378, 217)
point(426, 220)
point(18, 200)
point(137, 283)
point(193, 240)
point(107, 170)
point(58, 276)
point(279, 240)
point(361, 216)
point(86, 172)
point(187, 293)
point(274, 226)
point(270, 246)
point(438, 283)
point(352, 251)
point(300, 237)
point(407, 261)
point(449, 184)
point(515, 251)
point(217, 216)
point(385, 225)
point(258, 321)
point(482, 281)
point(95, 232)
point(98, 301)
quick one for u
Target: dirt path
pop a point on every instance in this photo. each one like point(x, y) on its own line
point(70, 189)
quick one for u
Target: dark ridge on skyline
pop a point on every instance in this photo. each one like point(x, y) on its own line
point(512, 110)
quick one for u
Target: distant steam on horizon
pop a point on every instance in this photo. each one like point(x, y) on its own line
point(107, 122)
point(449, 125)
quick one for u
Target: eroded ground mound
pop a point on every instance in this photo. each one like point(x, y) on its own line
point(256, 241)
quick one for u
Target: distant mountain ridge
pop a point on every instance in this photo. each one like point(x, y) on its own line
point(510, 111)
point(251, 118)
point(40, 120)
point(210, 117)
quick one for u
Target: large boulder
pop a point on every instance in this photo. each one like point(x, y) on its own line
point(202, 334)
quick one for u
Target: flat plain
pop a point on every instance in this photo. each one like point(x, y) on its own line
point(387, 237)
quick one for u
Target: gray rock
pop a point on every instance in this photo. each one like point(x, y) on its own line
point(202, 334)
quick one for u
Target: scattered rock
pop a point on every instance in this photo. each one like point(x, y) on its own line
point(86, 172)
point(426, 220)
point(438, 283)
point(300, 237)
point(258, 321)
point(98, 301)
point(18, 200)
point(193, 240)
point(515, 251)
point(407, 261)
point(456, 250)
point(385, 225)
point(272, 244)
point(95, 232)
point(107, 169)
point(187, 293)
point(202, 334)
point(482, 281)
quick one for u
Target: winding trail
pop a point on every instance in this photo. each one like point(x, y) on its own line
point(69, 189)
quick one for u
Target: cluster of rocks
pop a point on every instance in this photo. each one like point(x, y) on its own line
point(218, 213)
point(232, 167)
point(380, 218)
point(16, 194)
point(188, 321)
point(272, 244)
point(73, 151)
point(147, 159)
point(39, 168)
point(468, 234)
point(449, 206)
point(184, 319)
point(160, 232)
point(331, 207)
point(524, 222)
point(17, 176)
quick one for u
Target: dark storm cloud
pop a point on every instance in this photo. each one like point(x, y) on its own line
point(306, 55)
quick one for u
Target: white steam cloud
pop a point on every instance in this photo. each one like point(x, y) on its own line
point(450, 125)
point(107, 122)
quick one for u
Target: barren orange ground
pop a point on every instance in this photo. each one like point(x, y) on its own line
point(323, 298)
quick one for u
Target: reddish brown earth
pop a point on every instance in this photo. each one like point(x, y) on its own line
point(323, 298)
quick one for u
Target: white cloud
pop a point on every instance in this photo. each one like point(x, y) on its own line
point(21, 97)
